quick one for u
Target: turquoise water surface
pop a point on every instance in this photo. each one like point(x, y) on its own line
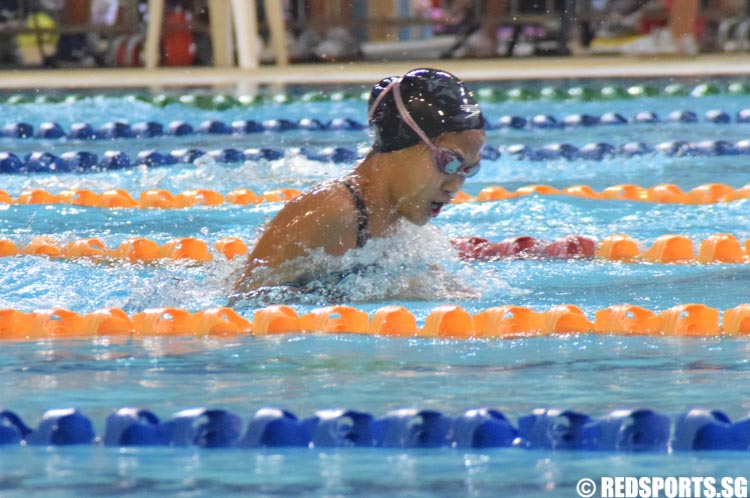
point(587, 373)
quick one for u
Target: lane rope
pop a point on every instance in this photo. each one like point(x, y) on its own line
point(721, 248)
point(622, 430)
point(121, 129)
point(708, 193)
point(443, 322)
point(82, 161)
point(221, 102)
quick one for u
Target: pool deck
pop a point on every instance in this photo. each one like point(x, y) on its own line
point(501, 69)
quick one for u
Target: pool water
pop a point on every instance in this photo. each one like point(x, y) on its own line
point(303, 373)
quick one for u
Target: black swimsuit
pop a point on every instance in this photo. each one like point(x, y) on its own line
point(363, 218)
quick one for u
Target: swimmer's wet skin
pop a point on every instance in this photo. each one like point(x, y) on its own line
point(428, 135)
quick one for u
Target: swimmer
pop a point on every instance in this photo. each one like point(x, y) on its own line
point(428, 136)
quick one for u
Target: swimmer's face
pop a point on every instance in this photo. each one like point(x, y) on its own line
point(424, 189)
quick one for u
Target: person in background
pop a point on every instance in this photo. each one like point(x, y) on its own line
point(428, 137)
point(679, 37)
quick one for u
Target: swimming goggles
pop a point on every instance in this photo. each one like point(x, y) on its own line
point(445, 160)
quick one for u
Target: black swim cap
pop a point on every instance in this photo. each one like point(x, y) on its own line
point(437, 101)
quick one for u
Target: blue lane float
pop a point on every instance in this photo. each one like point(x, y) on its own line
point(641, 430)
point(646, 117)
point(18, 130)
point(50, 131)
point(116, 130)
point(245, 127)
point(10, 163)
point(148, 129)
point(82, 131)
point(82, 161)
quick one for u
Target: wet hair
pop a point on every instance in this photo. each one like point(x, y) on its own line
point(437, 101)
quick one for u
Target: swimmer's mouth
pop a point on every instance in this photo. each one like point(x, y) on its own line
point(435, 208)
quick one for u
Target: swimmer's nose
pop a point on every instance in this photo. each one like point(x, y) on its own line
point(453, 184)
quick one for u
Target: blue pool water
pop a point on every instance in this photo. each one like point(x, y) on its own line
point(587, 373)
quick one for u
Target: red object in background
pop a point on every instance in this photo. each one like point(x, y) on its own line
point(178, 42)
point(479, 249)
point(128, 50)
point(470, 248)
point(571, 246)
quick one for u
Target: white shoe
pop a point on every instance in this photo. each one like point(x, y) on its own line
point(687, 45)
point(661, 42)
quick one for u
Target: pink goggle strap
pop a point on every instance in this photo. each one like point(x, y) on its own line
point(379, 98)
point(402, 110)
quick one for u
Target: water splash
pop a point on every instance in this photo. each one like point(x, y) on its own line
point(416, 263)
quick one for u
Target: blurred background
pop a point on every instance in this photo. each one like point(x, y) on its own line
point(117, 33)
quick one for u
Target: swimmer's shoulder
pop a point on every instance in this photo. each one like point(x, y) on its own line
point(329, 199)
point(322, 216)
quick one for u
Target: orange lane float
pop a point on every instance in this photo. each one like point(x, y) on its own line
point(626, 193)
point(15, 324)
point(507, 321)
point(538, 190)
point(156, 199)
point(231, 247)
point(161, 199)
point(737, 320)
point(670, 249)
point(276, 319)
point(711, 193)
point(136, 249)
point(338, 319)
point(81, 197)
point(116, 198)
point(8, 248)
point(583, 191)
point(109, 322)
point(443, 322)
point(627, 319)
point(58, 323)
point(666, 249)
point(243, 196)
point(86, 248)
point(175, 321)
point(163, 322)
point(462, 197)
point(565, 319)
point(222, 322)
point(722, 248)
point(448, 321)
point(37, 196)
point(618, 247)
point(495, 193)
point(185, 248)
point(201, 197)
point(690, 320)
point(393, 321)
point(43, 246)
point(280, 195)
point(667, 193)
